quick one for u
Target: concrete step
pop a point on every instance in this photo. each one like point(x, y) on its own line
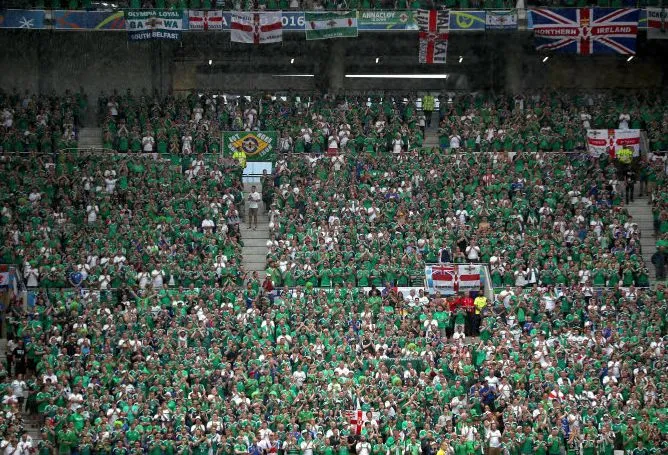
point(260, 233)
point(257, 258)
point(249, 250)
point(641, 212)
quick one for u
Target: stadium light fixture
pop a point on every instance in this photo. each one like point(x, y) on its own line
point(461, 59)
point(293, 75)
point(210, 62)
point(377, 59)
point(546, 59)
point(397, 76)
point(292, 61)
point(630, 58)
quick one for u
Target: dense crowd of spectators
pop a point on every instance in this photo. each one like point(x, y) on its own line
point(36, 123)
point(102, 220)
point(146, 336)
point(222, 370)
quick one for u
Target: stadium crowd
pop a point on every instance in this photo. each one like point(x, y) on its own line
point(147, 336)
point(43, 124)
point(103, 220)
point(215, 370)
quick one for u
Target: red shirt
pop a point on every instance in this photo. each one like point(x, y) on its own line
point(467, 303)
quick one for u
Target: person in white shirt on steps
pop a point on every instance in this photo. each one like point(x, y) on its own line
point(254, 199)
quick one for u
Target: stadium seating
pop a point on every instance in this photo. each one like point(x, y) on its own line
point(106, 220)
point(32, 123)
point(146, 335)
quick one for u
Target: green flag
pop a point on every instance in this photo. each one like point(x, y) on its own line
point(330, 24)
point(258, 145)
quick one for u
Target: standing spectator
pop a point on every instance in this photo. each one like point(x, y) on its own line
point(19, 355)
point(428, 108)
point(659, 261)
point(254, 199)
point(493, 438)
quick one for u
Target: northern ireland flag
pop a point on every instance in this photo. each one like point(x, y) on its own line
point(586, 31)
point(356, 419)
point(205, 20)
point(434, 27)
point(657, 23)
point(256, 28)
point(611, 141)
point(468, 276)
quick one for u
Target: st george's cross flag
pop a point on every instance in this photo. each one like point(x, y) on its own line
point(433, 29)
point(586, 31)
point(205, 20)
point(256, 28)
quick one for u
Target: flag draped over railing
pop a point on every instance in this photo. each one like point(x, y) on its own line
point(433, 32)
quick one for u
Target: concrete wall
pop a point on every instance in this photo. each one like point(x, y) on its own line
point(45, 61)
point(48, 60)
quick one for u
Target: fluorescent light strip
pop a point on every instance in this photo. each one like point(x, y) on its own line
point(293, 75)
point(397, 76)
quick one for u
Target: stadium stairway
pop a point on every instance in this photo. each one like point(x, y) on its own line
point(254, 251)
point(31, 423)
point(641, 211)
point(90, 138)
point(431, 133)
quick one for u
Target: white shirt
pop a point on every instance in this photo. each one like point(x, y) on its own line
point(148, 142)
point(363, 448)
point(307, 447)
point(494, 438)
point(472, 252)
point(253, 200)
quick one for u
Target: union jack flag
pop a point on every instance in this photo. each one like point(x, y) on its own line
point(586, 31)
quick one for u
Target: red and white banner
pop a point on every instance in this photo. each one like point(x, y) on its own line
point(356, 419)
point(611, 141)
point(468, 276)
point(451, 278)
point(433, 26)
point(256, 28)
point(657, 23)
point(441, 277)
point(205, 20)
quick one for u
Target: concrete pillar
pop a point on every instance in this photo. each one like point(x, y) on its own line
point(336, 66)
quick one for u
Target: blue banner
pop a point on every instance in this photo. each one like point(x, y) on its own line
point(20, 18)
point(292, 20)
point(586, 31)
point(642, 20)
point(89, 20)
point(468, 21)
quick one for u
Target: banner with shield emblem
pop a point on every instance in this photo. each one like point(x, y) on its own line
point(258, 145)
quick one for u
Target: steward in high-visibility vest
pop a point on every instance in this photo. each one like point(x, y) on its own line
point(625, 156)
